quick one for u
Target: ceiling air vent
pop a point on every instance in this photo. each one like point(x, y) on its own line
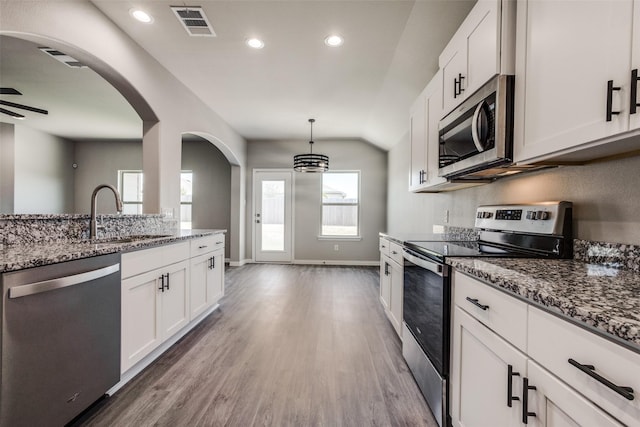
point(194, 20)
point(62, 57)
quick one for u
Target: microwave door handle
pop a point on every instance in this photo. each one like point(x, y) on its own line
point(474, 128)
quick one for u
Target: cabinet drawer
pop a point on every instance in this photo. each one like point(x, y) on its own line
point(395, 253)
point(384, 245)
point(203, 245)
point(499, 311)
point(134, 263)
point(553, 341)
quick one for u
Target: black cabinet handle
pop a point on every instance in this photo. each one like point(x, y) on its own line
point(634, 92)
point(510, 375)
point(455, 88)
point(525, 400)
point(167, 281)
point(626, 392)
point(386, 268)
point(213, 262)
point(475, 302)
point(161, 283)
point(610, 89)
point(457, 85)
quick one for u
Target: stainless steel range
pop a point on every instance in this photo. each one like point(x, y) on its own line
point(540, 230)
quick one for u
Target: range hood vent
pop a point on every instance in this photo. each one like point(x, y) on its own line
point(194, 21)
point(62, 57)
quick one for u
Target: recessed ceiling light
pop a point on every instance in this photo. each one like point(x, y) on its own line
point(141, 16)
point(255, 43)
point(334, 40)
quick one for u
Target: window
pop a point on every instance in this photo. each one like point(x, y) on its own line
point(131, 190)
point(340, 204)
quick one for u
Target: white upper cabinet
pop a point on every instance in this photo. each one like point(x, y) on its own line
point(425, 116)
point(482, 47)
point(573, 84)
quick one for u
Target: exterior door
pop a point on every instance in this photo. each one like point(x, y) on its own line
point(272, 218)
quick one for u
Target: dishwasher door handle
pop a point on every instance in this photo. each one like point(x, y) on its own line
point(61, 282)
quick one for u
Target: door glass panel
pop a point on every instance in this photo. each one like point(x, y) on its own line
point(273, 215)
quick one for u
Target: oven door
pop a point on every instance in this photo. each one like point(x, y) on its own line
point(426, 302)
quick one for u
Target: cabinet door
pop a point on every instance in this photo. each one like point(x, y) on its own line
point(175, 307)
point(215, 278)
point(397, 289)
point(555, 404)
point(635, 65)
point(480, 375)
point(483, 45)
point(385, 281)
point(433, 111)
point(199, 272)
point(417, 134)
point(453, 63)
point(141, 332)
point(566, 53)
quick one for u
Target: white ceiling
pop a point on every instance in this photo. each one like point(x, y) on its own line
point(362, 89)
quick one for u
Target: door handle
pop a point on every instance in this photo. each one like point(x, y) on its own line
point(634, 92)
point(626, 392)
point(475, 135)
point(257, 221)
point(610, 89)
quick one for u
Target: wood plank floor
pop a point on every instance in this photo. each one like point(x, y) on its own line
point(290, 346)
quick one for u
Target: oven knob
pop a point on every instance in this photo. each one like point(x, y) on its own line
point(480, 215)
point(488, 214)
point(543, 215)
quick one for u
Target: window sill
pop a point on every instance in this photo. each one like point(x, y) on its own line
point(342, 238)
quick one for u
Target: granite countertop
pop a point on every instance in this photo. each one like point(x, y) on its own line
point(603, 299)
point(17, 257)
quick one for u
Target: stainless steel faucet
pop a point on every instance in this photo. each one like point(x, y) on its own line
point(93, 225)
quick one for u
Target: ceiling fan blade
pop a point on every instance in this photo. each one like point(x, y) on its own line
point(11, 113)
point(9, 91)
point(24, 107)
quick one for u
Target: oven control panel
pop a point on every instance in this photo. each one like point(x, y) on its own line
point(539, 218)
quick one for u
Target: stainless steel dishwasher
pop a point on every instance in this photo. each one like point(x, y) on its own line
point(60, 340)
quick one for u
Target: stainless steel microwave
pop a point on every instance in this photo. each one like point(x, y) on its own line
point(477, 137)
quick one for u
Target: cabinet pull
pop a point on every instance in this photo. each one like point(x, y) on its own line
point(610, 89)
point(475, 302)
point(510, 375)
point(202, 247)
point(626, 392)
point(213, 262)
point(167, 281)
point(525, 400)
point(161, 288)
point(634, 92)
point(386, 268)
point(457, 85)
point(219, 243)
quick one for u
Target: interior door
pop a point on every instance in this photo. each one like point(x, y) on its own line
point(272, 217)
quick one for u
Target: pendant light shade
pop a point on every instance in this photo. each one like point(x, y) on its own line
point(311, 162)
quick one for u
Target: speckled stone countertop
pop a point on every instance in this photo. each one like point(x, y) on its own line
point(602, 298)
point(17, 257)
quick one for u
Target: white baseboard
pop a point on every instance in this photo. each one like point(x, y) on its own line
point(127, 376)
point(336, 262)
point(239, 263)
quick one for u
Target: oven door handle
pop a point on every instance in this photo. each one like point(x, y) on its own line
point(422, 262)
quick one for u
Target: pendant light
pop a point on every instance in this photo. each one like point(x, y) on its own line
point(311, 162)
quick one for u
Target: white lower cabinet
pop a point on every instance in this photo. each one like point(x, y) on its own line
point(494, 383)
point(485, 371)
point(165, 290)
point(555, 404)
point(207, 281)
point(392, 282)
point(154, 307)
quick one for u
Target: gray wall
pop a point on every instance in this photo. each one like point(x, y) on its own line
point(7, 155)
point(606, 198)
point(98, 163)
point(211, 185)
point(43, 175)
point(346, 154)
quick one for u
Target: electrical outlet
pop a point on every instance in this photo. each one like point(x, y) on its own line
point(336, 247)
point(446, 216)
